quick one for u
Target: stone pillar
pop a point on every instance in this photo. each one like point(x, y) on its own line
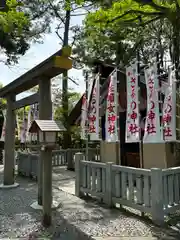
point(165, 159)
point(45, 161)
point(110, 152)
point(47, 187)
point(9, 162)
point(45, 113)
point(154, 155)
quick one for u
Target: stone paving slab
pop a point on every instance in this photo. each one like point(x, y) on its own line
point(125, 238)
point(68, 186)
point(60, 173)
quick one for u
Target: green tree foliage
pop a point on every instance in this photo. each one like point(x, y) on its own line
point(2, 100)
point(132, 19)
point(60, 12)
point(18, 28)
point(73, 98)
point(118, 44)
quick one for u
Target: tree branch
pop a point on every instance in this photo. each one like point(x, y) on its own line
point(56, 12)
point(57, 33)
point(136, 12)
point(150, 21)
point(152, 4)
point(84, 7)
point(73, 81)
point(78, 14)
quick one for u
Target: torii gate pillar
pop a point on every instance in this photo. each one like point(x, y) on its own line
point(9, 146)
point(45, 161)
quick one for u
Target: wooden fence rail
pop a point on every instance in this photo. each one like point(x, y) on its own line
point(154, 191)
point(28, 162)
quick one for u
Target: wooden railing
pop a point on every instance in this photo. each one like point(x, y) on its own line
point(153, 191)
point(171, 189)
point(28, 161)
point(59, 157)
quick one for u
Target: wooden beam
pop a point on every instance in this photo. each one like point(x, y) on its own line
point(26, 101)
point(51, 67)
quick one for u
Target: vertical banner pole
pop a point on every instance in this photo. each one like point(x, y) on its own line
point(141, 151)
point(100, 106)
point(87, 134)
point(100, 116)
point(160, 95)
point(118, 122)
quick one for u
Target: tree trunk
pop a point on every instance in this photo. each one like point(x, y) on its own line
point(176, 39)
point(65, 104)
point(65, 83)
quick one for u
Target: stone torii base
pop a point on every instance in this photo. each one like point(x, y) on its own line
point(15, 185)
point(36, 206)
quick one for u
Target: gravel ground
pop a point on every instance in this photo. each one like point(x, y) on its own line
point(74, 219)
point(98, 221)
point(19, 220)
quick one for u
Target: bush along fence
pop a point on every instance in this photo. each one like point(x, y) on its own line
point(154, 191)
point(28, 161)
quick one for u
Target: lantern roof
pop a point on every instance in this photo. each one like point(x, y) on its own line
point(46, 126)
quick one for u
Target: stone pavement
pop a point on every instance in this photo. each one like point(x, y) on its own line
point(65, 179)
point(75, 219)
point(125, 238)
point(101, 223)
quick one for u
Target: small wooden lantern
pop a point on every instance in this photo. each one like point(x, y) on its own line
point(47, 131)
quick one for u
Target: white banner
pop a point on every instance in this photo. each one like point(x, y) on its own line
point(93, 115)
point(23, 130)
point(29, 121)
point(90, 86)
point(169, 109)
point(35, 117)
point(132, 116)
point(17, 127)
point(111, 125)
point(83, 117)
point(152, 132)
point(4, 127)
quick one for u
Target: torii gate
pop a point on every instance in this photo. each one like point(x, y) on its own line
point(40, 75)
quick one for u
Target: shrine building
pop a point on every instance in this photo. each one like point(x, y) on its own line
point(160, 155)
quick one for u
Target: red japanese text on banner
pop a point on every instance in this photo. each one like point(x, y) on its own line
point(93, 114)
point(169, 109)
point(152, 131)
point(83, 117)
point(132, 116)
point(112, 110)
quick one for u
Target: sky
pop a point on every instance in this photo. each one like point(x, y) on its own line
point(36, 54)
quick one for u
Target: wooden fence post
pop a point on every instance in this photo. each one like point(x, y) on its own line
point(70, 160)
point(78, 158)
point(108, 193)
point(157, 196)
point(91, 154)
